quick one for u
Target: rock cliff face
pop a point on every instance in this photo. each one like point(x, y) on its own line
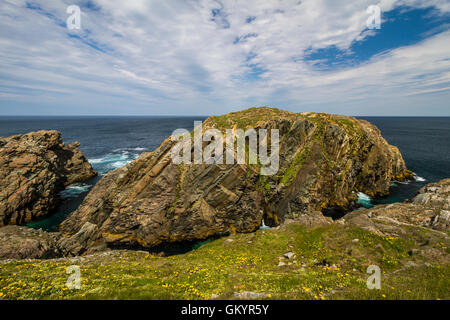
point(34, 167)
point(324, 160)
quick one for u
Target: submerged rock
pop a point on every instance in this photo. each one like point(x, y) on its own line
point(34, 167)
point(324, 160)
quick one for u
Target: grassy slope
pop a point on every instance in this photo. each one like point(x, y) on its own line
point(249, 263)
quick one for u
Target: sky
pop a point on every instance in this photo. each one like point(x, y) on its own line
point(205, 57)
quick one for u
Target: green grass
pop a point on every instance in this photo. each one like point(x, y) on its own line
point(296, 165)
point(329, 264)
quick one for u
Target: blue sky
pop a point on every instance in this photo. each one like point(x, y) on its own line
point(202, 57)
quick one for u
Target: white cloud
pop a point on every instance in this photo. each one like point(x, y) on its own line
point(176, 57)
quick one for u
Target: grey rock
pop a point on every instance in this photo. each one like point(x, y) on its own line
point(289, 255)
point(411, 264)
point(250, 295)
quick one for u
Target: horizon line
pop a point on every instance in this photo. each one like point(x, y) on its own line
point(198, 115)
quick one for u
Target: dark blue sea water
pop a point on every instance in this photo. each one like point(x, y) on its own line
point(111, 142)
point(425, 145)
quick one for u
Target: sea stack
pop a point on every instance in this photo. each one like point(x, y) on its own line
point(34, 167)
point(324, 160)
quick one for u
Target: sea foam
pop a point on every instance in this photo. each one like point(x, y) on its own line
point(74, 190)
point(364, 200)
point(115, 160)
point(417, 178)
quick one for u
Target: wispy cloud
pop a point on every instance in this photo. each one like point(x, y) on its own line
point(210, 57)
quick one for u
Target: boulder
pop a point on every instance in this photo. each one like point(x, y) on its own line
point(246, 295)
point(289, 255)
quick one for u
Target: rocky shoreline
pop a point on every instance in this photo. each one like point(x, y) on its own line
point(430, 208)
point(324, 161)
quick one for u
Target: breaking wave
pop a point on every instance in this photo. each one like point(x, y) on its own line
point(417, 178)
point(117, 159)
point(401, 182)
point(263, 226)
point(364, 200)
point(74, 190)
point(129, 149)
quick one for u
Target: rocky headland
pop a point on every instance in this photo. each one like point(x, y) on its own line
point(324, 161)
point(34, 168)
point(150, 204)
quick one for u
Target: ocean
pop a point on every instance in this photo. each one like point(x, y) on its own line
point(111, 142)
point(425, 146)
